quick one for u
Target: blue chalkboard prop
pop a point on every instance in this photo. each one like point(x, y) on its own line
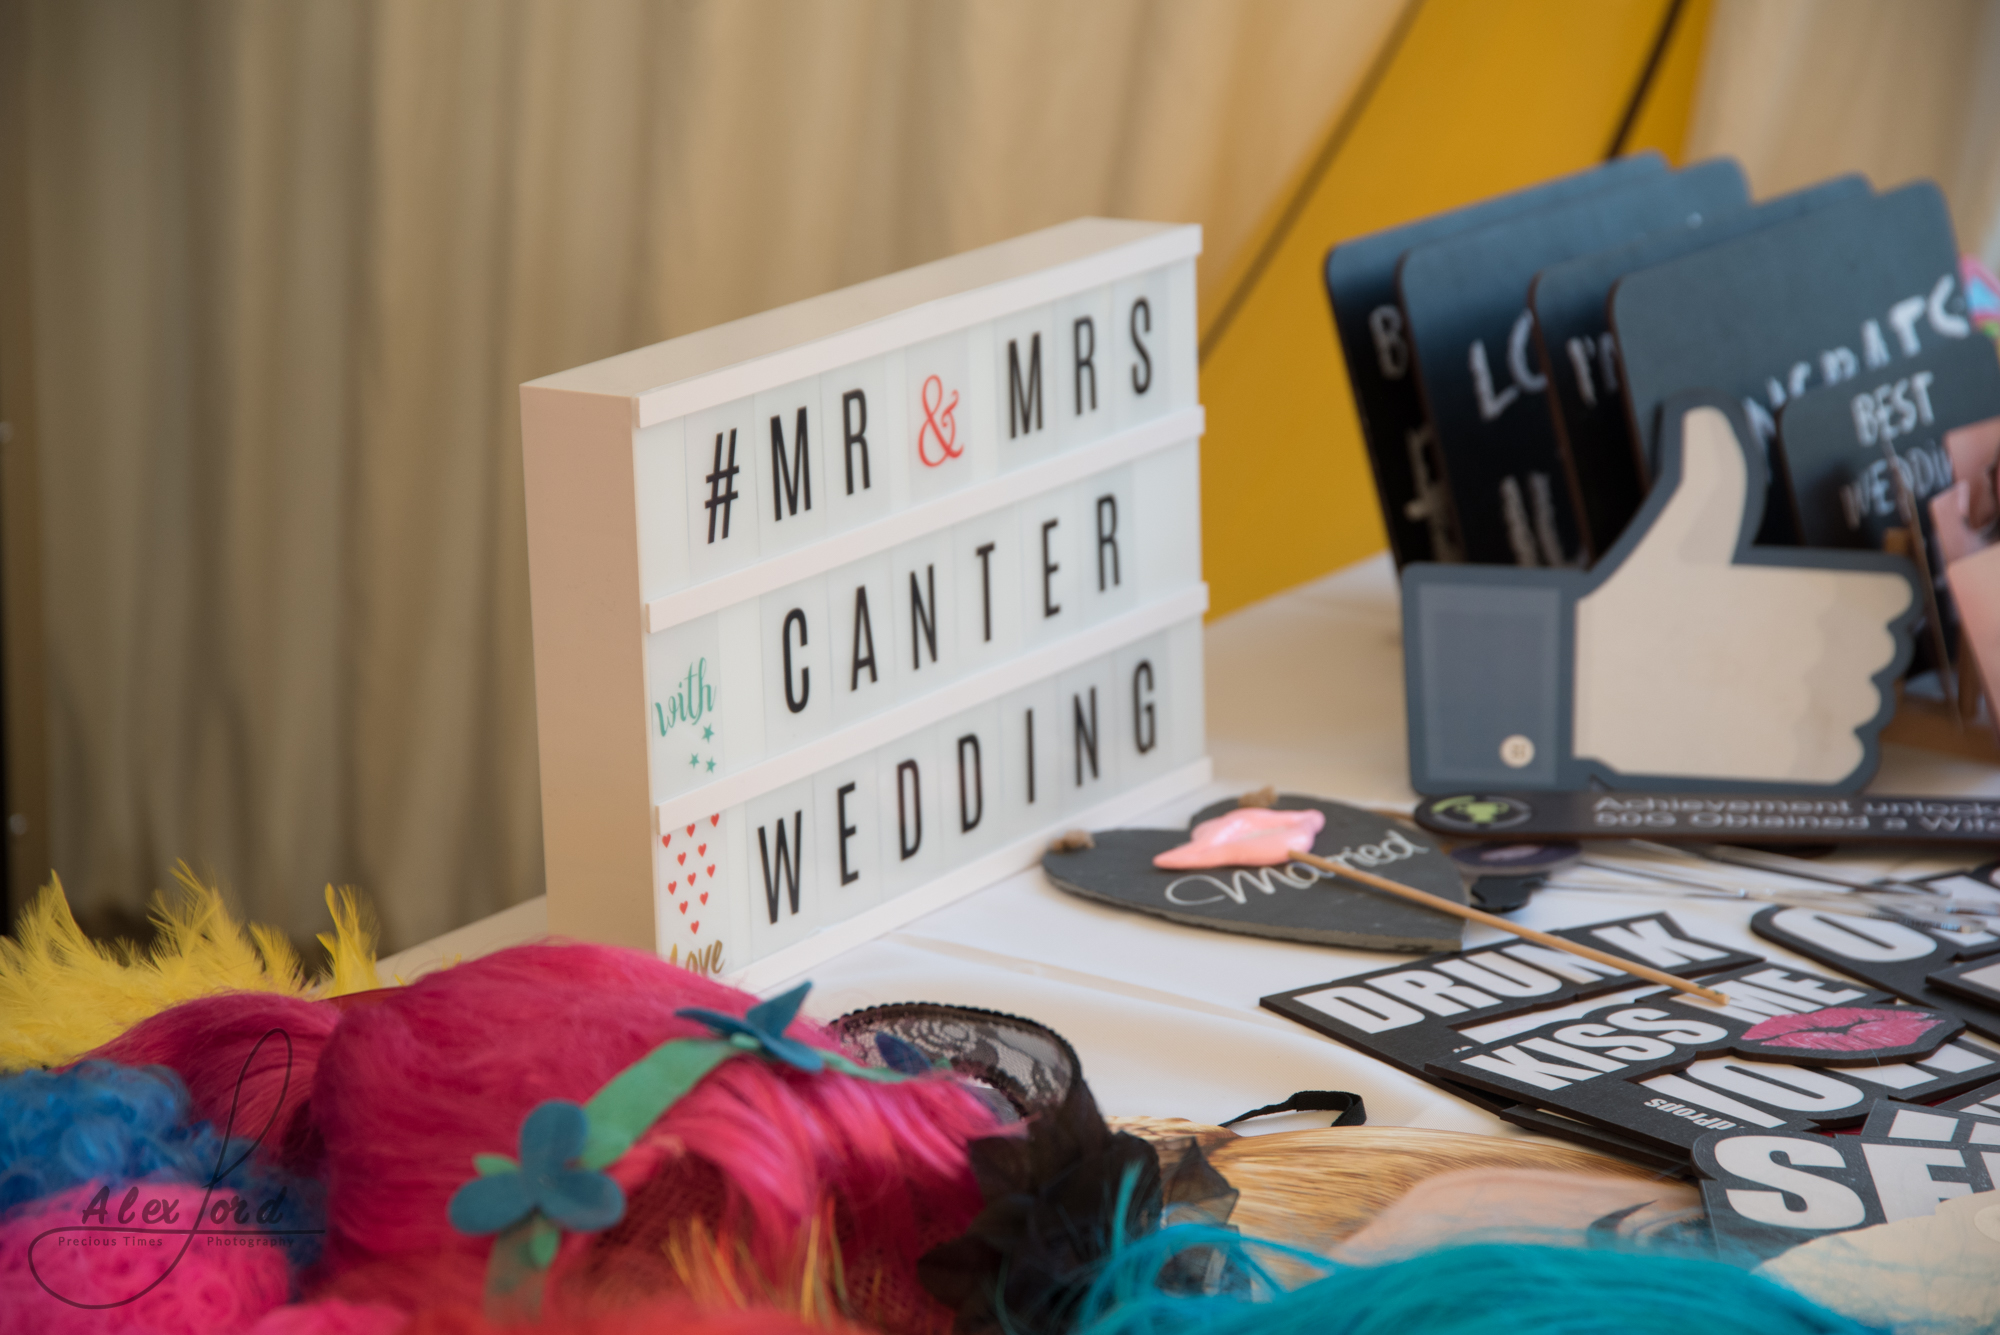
point(1290, 903)
point(1833, 439)
point(1374, 345)
point(1580, 357)
point(1684, 659)
point(1846, 290)
point(1466, 300)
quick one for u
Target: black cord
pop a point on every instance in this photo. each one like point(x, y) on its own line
point(1353, 1112)
point(1654, 59)
point(1296, 205)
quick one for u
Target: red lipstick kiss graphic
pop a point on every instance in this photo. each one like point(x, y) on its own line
point(1844, 1029)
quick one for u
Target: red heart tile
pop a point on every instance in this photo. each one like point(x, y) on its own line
point(700, 849)
point(695, 926)
point(704, 896)
point(682, 856)
point(666, 840)
point(671, 885)
point(716, 817)
point(684, 906)
point(690, 829)
point(711, 869)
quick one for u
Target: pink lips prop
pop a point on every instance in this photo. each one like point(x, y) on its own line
point(1247, 837)
point(1844, 1029)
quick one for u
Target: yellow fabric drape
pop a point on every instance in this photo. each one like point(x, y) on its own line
point(290, 261)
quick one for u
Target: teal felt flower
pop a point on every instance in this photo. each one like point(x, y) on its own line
point(763, 1028)
point(507, 1192)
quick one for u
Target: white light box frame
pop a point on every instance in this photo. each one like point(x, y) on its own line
point(975, 481)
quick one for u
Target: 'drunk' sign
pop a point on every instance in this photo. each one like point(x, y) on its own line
point(1684, 659)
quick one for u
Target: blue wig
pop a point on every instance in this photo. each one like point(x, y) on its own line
point(1475, 1289)
point(99, 1121)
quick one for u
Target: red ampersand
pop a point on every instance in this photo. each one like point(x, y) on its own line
point(943, 434)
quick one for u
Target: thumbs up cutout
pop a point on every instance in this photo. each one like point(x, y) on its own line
point(1685, 659)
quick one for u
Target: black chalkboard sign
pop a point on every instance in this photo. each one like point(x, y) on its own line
point(1465, 299)
point(1580, 357)
point(1833, 437)
point(1846, 291)
point(1361, 283)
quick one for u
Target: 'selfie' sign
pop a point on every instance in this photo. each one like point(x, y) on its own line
point(856, 597)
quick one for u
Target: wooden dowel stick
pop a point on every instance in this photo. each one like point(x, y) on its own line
point(1429, 900)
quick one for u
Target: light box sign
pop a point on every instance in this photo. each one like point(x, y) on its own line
point(841, 609)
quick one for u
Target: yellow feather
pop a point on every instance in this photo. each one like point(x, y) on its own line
point(62, 994)
point(351, 946)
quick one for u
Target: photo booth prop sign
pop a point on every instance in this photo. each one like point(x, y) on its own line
point(1834, 438)
point(1773, 818)
point(1847, 290)
point(1375, 348)
point(1767, 1192)
point(1579, 354)
point(839, 609)
point(1292, 902)
point(1466, 300)
point(1683, 659)
point(1945, 971)
point(1599, 1048)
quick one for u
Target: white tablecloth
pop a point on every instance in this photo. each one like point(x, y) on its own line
point(1304, 692)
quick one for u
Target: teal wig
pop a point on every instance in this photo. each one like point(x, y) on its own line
point(1474, 1289)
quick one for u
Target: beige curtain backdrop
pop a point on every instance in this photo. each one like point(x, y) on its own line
point(1801, 90)
point(290, 260)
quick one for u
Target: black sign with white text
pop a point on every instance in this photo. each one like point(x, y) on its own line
point(1768, 1192)
point(1580, 357)
point(1807, 818)
point(1587, 1042)
point(1833, 439)
point(1466, 299)
point(1375, 347)
point(1849, 290)
point(1890, 955)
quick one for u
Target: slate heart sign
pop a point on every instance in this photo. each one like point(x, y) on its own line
point(1375, 347)
point(1850, 289)
point(1466, 300)
point(1685, 658)
point(1294, 902)
point(1579, 354)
